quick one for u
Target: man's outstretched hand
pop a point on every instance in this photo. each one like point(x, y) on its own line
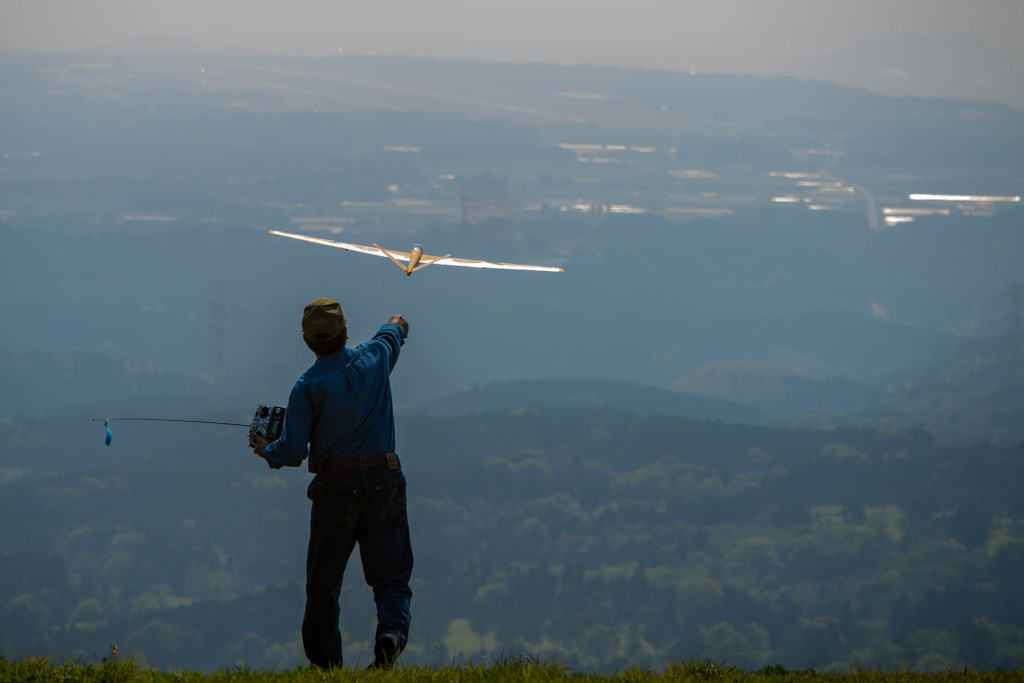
point(400, 321)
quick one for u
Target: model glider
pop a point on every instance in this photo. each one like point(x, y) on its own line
point(415, 259)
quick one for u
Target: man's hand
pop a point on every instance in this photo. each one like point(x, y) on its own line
point(400, 321)
point(260, 443)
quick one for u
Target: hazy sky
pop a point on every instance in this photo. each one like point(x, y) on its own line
point(720, 35)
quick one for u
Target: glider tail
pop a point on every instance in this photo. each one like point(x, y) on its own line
point(397, 262)
point(428, 263)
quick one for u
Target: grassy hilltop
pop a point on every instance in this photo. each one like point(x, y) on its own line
point(113, 668)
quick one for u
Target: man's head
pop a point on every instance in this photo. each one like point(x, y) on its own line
point(324, 328)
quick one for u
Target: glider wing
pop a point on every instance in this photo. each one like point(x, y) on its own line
point(372, 251)
point(425, 259)
point(470, 263)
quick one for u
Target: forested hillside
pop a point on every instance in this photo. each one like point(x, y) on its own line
point(602, 536)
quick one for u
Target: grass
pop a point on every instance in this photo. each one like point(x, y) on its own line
point(115, 669)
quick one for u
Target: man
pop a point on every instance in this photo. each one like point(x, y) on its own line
point(340, 417)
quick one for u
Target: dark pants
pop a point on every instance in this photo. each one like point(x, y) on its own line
point(367, 508)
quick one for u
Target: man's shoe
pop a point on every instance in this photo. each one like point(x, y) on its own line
point(385, 652)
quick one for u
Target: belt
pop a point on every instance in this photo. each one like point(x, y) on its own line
point(362, 463)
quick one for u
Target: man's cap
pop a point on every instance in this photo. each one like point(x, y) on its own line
point(323, 319)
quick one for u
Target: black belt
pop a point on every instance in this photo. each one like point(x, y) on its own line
point(364, 463)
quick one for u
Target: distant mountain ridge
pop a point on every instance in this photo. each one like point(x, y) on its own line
point(960, 65)
point(996, 362)
point(974, 386)
point(977, 375)
point(973, 391)
point(773, 388)
point(833, 87)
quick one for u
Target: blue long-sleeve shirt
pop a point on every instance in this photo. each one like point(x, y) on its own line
point(341, 406)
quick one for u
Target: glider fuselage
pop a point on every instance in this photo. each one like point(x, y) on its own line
point(414, 257)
